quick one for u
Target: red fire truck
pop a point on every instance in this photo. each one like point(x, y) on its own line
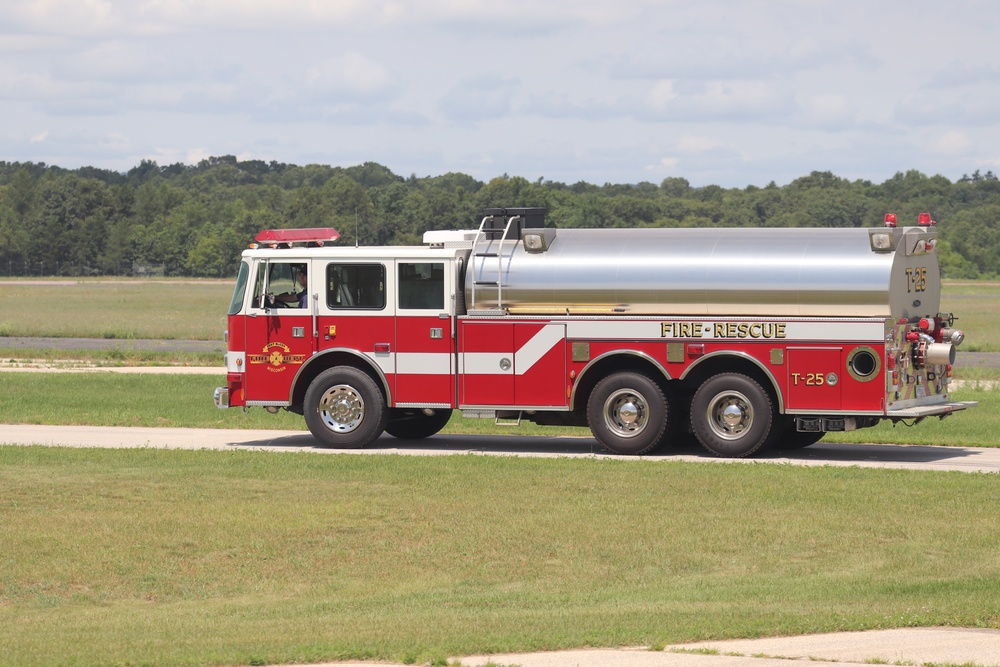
point(743, 337)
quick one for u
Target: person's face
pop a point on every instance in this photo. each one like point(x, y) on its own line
point(302, 278)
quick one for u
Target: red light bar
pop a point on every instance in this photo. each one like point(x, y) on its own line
point(890, 219)
point(313, 235)
point(924, 220)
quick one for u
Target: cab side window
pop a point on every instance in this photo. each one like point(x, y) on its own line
point(277, 284)
point(421, 285)
point(355, 286)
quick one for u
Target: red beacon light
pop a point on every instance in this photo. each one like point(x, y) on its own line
point(925, 220)
point(890, 219)
point(316, 236)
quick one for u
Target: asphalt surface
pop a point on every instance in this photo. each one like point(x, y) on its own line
point(138, 344)
point(907, 457)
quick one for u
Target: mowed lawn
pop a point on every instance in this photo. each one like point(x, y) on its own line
point(152, 557)
point(193, 309)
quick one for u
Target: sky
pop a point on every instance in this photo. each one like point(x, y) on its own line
point(731, 93)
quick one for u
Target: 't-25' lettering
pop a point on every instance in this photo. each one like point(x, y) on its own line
point(809, 379)
point(916, 279)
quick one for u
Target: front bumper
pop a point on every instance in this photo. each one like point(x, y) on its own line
point(221, 397)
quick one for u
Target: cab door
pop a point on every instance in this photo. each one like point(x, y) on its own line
point(356, 313)
point(425, 335)
point(279, 331)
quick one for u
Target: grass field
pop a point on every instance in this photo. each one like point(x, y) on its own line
point(152, 557)
point(976, 305)
point(120, 309)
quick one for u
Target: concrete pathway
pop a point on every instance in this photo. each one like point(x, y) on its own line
point(911, 457)
point(924, 647)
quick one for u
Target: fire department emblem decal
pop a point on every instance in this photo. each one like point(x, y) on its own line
point(276, 356)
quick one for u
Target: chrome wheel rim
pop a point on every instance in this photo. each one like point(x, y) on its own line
point(626, 413)
point(730, 415)
point(341, 408)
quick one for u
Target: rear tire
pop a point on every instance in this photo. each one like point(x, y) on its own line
point(345, 409)
point(628, 413)
point(732, 415)
point(407, 424)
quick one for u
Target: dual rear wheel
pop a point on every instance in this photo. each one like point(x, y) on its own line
point(732, 415)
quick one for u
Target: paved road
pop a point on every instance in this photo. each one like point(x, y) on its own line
point(906, 646)
point(139, 344)
point(912, 457)
point(902, 646)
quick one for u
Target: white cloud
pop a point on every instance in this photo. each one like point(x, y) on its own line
point(661, 95)
point(696, 144)
point(734, 93)
point(954, 142)
point(62, 17)
point(826, 109)
point(351, 75)
point(481, 98)
point(716, 100)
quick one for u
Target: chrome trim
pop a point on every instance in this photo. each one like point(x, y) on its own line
point(436, 406)
point(221, 397)
point(877, 357)
point(264, 404)
point(520, 408)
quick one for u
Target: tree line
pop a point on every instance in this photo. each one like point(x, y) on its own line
point(195, 220)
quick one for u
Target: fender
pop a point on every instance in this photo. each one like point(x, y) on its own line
point(364, 361)
point(616, 353)
point(747, 357)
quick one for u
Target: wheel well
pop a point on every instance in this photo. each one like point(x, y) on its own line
point(331, 360)
point(727, 363)
point(616, 363)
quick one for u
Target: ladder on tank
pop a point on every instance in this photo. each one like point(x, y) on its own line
point(481, 234)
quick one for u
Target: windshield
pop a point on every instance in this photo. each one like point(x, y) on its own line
point(241, 287)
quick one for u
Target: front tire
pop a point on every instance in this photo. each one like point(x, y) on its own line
point(732, 415)
point(628, 413)
point(408, 424)
point(344, 409)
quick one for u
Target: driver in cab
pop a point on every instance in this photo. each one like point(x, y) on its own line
point(297, 299)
